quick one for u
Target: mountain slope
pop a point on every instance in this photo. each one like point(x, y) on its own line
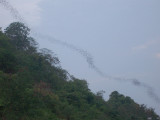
point(33, 86)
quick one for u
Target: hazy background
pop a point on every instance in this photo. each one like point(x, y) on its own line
point(123, 36)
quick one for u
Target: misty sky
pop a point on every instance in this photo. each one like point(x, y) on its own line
point(123, 37)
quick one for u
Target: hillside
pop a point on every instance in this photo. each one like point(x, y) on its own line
point(33, 86)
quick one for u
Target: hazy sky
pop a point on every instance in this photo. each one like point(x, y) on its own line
point(123, 37)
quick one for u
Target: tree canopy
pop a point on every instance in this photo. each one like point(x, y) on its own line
point(33, 86)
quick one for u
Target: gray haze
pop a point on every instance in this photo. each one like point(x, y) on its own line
point(136, 82)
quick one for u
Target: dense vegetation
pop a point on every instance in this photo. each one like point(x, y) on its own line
point(33, 86)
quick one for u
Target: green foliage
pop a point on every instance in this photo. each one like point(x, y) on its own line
point(7, 61)
point(19, 36)
point(33, 86)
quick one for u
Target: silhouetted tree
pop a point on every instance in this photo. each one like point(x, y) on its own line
point(19, 35)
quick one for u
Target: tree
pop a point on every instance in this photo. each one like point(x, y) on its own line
point(18, 34)
point(7, 61)
point(49, 56)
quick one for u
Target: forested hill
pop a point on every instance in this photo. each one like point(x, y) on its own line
point(33, 86)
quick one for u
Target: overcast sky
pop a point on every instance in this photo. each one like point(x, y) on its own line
point(123, 37)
